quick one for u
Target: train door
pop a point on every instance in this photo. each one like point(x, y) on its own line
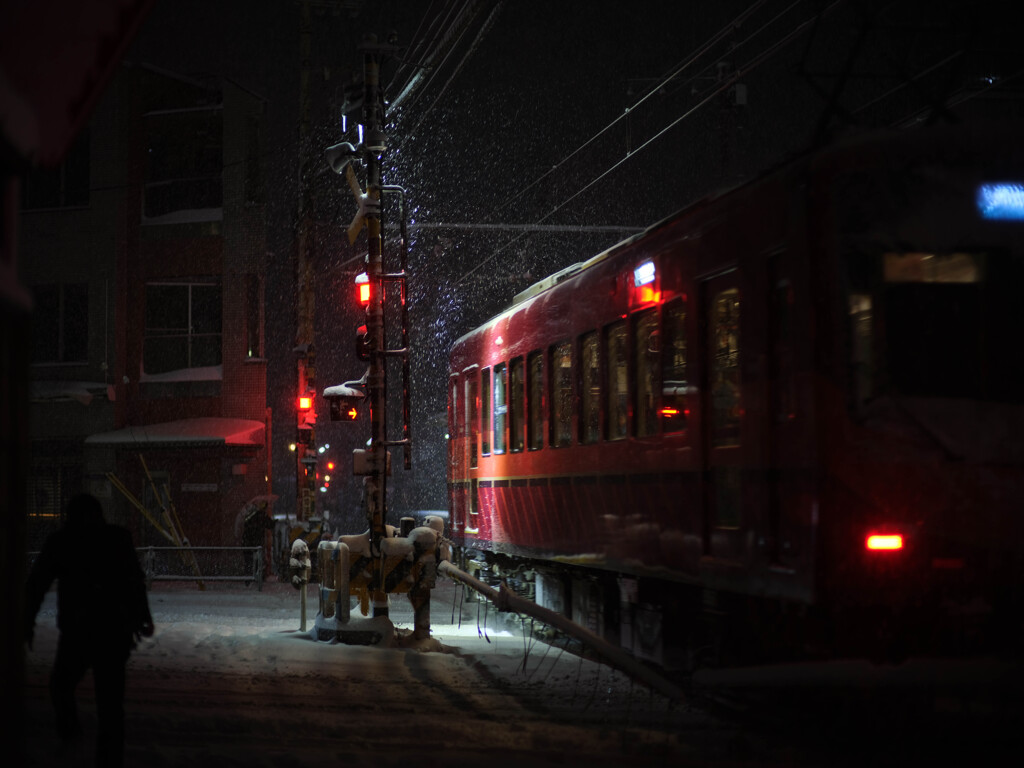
point(723, 407)
point(784, 417)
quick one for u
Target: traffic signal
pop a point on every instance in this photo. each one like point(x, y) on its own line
point(343, 409)
point(363, 288)
point(362, 343)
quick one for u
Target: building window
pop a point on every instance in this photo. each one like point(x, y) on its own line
point(515, 405)
point(253, 317)
point(66, 186)
point(535, 401)
point(618, 380)
point(184, 163)
point(183, 327)
point(561, 396)
point(253, 162)
point(61, 323)
point(51, 484)
point(590, 395)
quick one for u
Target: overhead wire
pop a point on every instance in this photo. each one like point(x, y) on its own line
point(665, 80)
point(439, 41)
point(484, 29)
point(420, 57)
point(723, 85)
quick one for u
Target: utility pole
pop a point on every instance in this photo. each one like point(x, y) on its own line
point(374, 463)
point(376, 482)
point(305, 438)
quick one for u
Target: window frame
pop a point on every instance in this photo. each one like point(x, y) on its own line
point(155, 334)
point(536, 402)
point(591, 389)
point(485, 412)
point(617, 403)
point(561, 397)
point(499, 389)
point(69, 326)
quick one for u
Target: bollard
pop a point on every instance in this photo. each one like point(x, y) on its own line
point(300, 566)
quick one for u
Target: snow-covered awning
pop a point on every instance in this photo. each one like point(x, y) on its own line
point(207, 431)
point(57, 391)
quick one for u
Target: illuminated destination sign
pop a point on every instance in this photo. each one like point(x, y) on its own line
point(1001, 201)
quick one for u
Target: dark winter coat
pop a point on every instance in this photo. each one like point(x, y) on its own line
point(101, 590)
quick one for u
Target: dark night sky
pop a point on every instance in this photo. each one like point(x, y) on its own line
point(511, 132)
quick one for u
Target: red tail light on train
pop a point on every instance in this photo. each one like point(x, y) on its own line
point(883, 542)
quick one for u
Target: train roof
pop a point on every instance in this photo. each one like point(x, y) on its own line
point(882, 142)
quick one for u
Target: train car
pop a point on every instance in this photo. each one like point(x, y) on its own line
point(787, 421)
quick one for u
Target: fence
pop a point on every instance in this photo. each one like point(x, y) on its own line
point(202, 564)
point(199, 564)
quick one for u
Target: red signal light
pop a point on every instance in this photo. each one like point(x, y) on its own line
point(305, 403)
point(889, 541)
point(363, 288)
point(330, 465)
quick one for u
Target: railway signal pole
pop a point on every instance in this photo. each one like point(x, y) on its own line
point(374, 464)
point(376, 481)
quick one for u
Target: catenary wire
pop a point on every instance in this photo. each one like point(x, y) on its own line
point(719, 88)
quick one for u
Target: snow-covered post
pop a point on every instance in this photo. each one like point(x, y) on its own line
point(300, 566)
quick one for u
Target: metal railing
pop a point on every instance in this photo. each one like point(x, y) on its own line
point(198, 564)
point(202, 564)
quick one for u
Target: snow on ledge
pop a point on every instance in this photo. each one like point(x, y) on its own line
point(208, 373)
point(82, 391)
point(204, 430)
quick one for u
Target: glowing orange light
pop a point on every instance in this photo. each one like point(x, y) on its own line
point(330, 465)
point(887, 541)
point(353, 414)
point(669, 412)
point(648, 294)
point(305, 403)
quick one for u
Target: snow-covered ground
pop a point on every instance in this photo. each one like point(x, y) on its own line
point(229, 679)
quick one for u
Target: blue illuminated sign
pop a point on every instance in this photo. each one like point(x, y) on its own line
point(1002, 201)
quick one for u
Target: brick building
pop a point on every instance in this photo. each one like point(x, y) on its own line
point(145, 253)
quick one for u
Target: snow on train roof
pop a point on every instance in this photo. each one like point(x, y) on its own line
point(843, 145)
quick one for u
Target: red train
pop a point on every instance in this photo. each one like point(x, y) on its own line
point(785, 421)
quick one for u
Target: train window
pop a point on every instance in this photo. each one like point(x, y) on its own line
point(500, 407)
point(472, 422)
point(485, 412)
point(561, 396)
point(454, 424)
point(515, 405)
point(590, 394)
point(725, 368)
point(934, 325)
point(618, 380)
point(535, 401)
point(646, 341)
point(861, 362)
point(674, 382)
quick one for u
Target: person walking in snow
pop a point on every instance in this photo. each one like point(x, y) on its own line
point(102, 611)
